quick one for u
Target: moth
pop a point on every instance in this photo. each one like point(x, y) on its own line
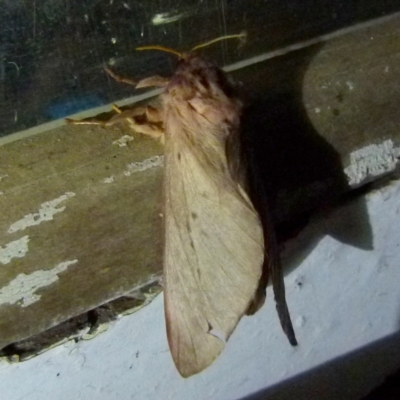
point(217, 254)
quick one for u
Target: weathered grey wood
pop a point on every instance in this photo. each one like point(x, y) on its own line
point(309, 111)
point(113, 229)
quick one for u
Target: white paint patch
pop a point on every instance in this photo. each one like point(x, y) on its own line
point(123, 141)
point(16, 249)
point(317, 110)
point(22, 289)
point(45, 213)
point(350, 85)
point(152, 162)
point(371, 161)
point(3, 176)
point(167, 18)
point(110, 179)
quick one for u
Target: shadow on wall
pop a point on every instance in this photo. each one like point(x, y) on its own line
point(303, 176)
point(347, 377)
point(299, 170)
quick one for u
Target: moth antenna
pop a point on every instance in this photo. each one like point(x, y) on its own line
point(180, 55)
point(161, 48)
point(237, 36)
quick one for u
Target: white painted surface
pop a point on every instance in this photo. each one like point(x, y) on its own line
point(15, 249)
point(139, 166)
point(22, 289)
point(46, 212)
point(372, 161)
point(110, 179)
point(342, 298)
point(123, 140)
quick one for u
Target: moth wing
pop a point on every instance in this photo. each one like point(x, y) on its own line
point(213, 258)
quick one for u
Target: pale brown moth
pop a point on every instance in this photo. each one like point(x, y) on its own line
point(216, 255)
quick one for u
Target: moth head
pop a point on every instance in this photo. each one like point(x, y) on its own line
point(195, 77)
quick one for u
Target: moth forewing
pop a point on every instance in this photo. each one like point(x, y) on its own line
point(213, 237)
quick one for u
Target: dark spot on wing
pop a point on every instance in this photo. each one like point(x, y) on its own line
point(179, 156)
point(191, 243)
point(194, 215)
point(189, 229)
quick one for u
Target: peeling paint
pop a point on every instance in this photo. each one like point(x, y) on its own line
point(46, 212)
point(371, 161)
point(22, 289)
point(110, 179)
point(16, 249)
point(152, 162)
point(167, 18)
point(123, 141)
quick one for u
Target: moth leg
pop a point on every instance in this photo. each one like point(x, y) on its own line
point(119, 78)
point(151, 114)
point(85, 122)
point(92, 121)
point(146, 120)
point(152, 130)
point(152, 81)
